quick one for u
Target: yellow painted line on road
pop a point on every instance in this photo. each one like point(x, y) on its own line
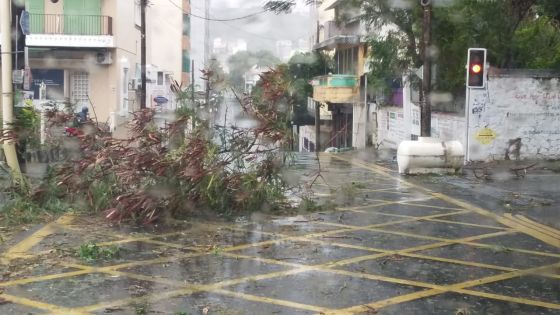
point(458, 262)
point(405, 252)
point(459, 288)
point(375, 306)
point(530, 230)
point(519, 219)
point(262, 260)
point(218, 286)
point(380, 253)
point(549, 230)
point(469, 224)
point(509, 299)
point(433, 220)
point(263, 299)
point(44, 278)
point(40, 305)
point(155, 297)
point(372, 227)
point(412, 203)
point(387, 190)
point(515, 224)
point(22, 247)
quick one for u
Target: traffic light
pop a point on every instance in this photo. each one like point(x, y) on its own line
point(476, 72)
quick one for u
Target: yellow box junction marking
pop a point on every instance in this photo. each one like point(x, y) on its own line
point(517, 223)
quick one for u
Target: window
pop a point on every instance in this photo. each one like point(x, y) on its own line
point(186, 24)
point(186, 61)
point(124, 96)
point(80, 89)
point(160, 78)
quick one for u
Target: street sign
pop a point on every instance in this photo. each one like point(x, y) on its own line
point(420, 72)
point(485, 136)
point(160, 99)
point(24, 22)
point(17, 76)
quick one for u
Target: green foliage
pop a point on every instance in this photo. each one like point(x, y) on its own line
point(293, 80)
point(91, 252)
point(26, 126)
point(24, 207)
point(302, 68)
point(537, 44)
point(514, 35)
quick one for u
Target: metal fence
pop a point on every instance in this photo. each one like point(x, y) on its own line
point(71, 24)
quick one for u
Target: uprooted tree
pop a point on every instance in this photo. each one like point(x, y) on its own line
point(180, 167)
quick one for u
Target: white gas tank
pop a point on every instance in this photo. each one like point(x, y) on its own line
point(430, 155)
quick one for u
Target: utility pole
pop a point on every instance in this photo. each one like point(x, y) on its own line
point(7, 90)
point(426, 110)
point(143, 4)
point(207, 33)
point(317, 104)
point(207, 49)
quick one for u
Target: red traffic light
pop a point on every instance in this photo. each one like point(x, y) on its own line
point(476, 68)
point(476, 76)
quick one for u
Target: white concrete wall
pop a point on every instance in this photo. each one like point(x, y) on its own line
point(447, 127)
point(359, 127)
point(396, 124)
point(393, 127)
point(520, 105)
point(309, 133)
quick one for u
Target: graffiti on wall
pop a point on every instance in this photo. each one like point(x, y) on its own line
point(515, 117)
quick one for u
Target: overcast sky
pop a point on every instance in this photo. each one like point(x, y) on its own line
point(260, 32)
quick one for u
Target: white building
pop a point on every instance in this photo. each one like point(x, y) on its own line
point(88, 52)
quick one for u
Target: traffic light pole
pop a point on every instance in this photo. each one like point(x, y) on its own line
point(426, 110)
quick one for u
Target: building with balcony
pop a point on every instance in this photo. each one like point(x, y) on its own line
point(340, 34)
point(88, 52)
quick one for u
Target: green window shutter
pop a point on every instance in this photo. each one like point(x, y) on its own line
point(82, 17)
point(36, 8)
point(186, 24)
point(186, 61)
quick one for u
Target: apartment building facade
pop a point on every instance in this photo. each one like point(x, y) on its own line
point(341, 94)
point(88, 52)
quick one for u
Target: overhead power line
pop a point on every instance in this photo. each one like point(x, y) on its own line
point(218, 20)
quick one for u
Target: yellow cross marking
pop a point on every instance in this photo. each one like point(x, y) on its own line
point(179, 288)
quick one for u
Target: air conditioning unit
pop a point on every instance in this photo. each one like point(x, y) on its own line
point(104, 58)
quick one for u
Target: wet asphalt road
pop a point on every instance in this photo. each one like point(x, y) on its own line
point(429, 245)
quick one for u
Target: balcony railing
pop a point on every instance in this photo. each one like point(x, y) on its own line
point(333, 29)
point(337, 80)
point(63, 24)
point(336, 88)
